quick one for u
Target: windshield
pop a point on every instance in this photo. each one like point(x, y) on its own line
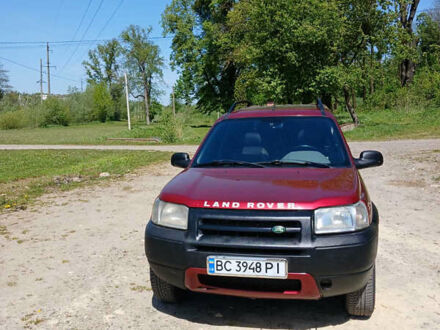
point(274, 141)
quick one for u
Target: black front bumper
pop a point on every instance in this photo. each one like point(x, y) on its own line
point(339, 263)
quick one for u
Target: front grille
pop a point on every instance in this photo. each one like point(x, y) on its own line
point(247, 228)
point(249, 231)
point(251, 284)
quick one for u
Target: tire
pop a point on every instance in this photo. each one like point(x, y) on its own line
point(361, 302)
point(164, 291)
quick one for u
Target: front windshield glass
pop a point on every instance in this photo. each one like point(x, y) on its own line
point(274, 141)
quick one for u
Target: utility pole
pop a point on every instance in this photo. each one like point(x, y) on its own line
point(128, 103)
point(174, 104)
point(48, 69)
point(81, 85)
point(41, 79)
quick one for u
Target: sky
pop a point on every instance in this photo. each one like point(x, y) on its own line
point(59, 20)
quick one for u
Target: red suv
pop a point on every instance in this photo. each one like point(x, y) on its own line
point(271, 206)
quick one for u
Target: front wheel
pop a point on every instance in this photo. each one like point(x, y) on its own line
point(164, 291)
point(361, 302)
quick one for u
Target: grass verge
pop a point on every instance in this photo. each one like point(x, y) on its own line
point(94, 133)
point(195, 128)
point(390, 125)
point(375, 125)
point(27, 174)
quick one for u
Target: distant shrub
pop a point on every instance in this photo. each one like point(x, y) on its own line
point(422, 92)
point(81, 105)
point(54, 112)
point(13, 119)
point(170, 127)
point(102, 102)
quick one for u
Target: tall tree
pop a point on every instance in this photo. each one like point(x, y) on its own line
point(4, 81)
point(407, 11)
point(103, 67)
point(428, 34)
point(206, 73)
point(143, 61)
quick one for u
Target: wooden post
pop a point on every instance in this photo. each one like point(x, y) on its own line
point(128, 102)
point(174, 104)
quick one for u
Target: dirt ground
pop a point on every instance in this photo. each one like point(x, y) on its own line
point(76, 260)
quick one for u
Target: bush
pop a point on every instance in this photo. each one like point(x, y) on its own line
point(422, 92)
point(13, 119)
point(170, 127)
point(102, 102)
point(81, 105)
point(55, 112)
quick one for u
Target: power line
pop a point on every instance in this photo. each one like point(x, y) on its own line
point(82, 20)
point(83, 35)
point(110, 18)
point(66, 41)
point(105, 25)
point(80, 23)
point(33, 69)
point(42, 46)
point(58, 13)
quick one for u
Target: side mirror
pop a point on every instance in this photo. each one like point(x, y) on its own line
point(369, 158)
point(180, 159)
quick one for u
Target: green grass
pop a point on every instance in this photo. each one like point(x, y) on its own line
point(27, 174)
point(98, 133)
point(94, 133)
point(375, 125)
point(389, 125)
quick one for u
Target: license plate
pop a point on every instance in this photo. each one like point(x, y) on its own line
point(247, 267)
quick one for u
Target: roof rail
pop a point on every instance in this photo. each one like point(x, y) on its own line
point(320, 106)
point(232, 108)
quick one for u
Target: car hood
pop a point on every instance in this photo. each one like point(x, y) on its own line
point(264, 188)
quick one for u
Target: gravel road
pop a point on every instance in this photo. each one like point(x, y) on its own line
point(75, 260)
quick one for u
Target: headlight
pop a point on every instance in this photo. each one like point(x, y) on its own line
point(341, 219)
point(169, 214)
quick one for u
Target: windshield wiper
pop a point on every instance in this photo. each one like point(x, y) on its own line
point(216, 163)
point(295, 163)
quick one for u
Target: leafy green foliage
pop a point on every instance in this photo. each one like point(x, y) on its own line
point(102, 102)
point(143, 62)
point(429, 41)
point(4, 81)
point(286, 51)
point(170, 128)
point(55, 112)
point(207, 75)
point(103, 67)
point(13, 119)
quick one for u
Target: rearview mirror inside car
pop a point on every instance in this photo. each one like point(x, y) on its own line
point(369, 158)
point(180, 159)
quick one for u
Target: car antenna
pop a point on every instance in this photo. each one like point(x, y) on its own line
point(234, 105)
point(320, 106)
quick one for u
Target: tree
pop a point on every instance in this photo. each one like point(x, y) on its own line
point(4, 81)
point(287, 51)
point(103, 67)
point(143, 61)
point(428, 34)
point(408, 42)
point(206, 73)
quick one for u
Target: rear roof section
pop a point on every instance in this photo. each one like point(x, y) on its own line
point(278, 111)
